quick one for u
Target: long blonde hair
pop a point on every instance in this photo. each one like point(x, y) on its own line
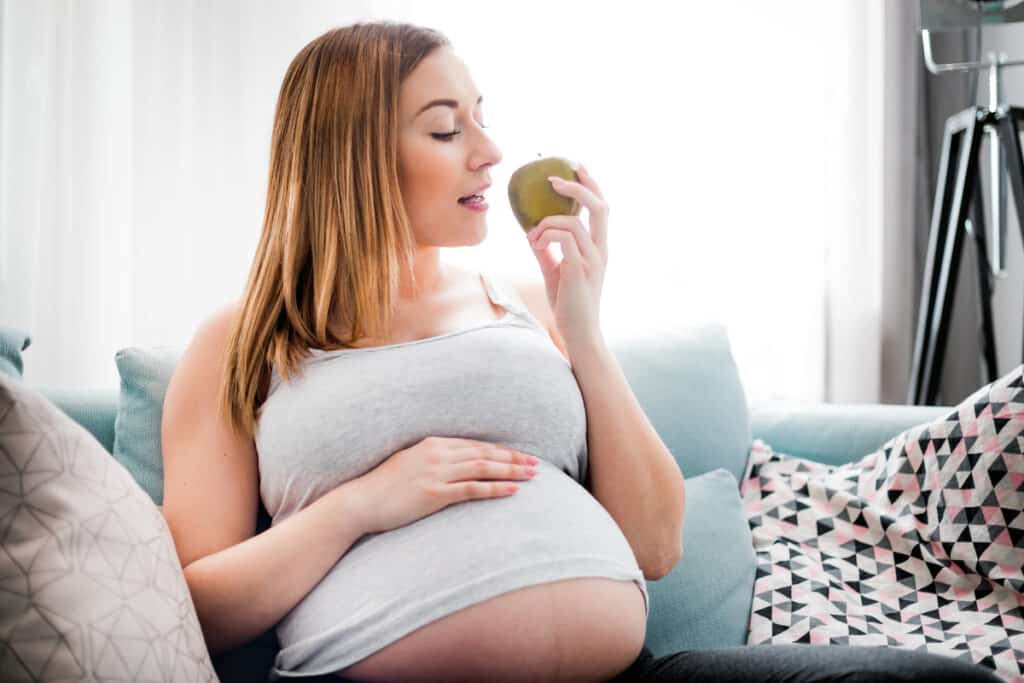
point(335, 229)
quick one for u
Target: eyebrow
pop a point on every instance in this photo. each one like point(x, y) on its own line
point(447, 103)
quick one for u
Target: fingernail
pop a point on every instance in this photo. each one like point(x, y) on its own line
point(555, 179)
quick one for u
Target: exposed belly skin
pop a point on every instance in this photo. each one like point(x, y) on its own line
point(583, 630)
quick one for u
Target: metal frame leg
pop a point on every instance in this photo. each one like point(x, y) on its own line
point(1009, 124)
point(976, 228)
point(952, 199)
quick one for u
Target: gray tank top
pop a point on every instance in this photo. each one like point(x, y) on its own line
point(502, 382)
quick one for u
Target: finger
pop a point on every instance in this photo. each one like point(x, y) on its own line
point(598, 227)
point(584, 195)
point(574, 225)
point(588, 181)
point(570, 251)
point(584, 245)
point(597, 209)
point(548, 264)
point(488, 469)
point(468, 449)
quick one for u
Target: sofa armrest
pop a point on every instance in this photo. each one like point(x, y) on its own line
point(834, 433)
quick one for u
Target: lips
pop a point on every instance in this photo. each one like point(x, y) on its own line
point(478, 192)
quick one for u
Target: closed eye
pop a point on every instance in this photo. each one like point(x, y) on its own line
point(448, 136)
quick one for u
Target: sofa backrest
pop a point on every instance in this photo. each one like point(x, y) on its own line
point(94, 409)
point(685, 380)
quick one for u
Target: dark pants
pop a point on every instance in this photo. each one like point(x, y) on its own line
point(802, 664)
point(792, 664)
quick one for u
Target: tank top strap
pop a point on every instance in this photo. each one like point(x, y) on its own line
point(499, 297)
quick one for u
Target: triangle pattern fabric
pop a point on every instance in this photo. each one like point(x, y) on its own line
point(919, 544)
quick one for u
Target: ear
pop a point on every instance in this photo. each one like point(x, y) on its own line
point(535, 298)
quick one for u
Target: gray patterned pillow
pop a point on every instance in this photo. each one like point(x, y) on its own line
point(92, 585)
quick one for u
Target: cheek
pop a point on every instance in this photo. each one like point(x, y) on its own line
point(433, 174)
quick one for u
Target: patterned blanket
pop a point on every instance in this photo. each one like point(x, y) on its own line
point(918, 545)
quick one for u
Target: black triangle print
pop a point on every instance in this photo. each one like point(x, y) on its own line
point(991, 500)
point(862, 548)
point(902, 574)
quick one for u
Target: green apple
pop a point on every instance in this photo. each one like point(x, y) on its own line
point(533, 198)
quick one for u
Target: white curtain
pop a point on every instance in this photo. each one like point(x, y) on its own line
point(739, 145)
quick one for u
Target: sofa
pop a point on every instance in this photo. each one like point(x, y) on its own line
point(685, 378)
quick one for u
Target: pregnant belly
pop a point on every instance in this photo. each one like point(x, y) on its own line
point(583, 630)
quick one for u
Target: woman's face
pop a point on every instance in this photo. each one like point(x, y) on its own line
point(435, 169)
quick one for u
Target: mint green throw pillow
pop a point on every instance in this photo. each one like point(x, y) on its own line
point(12, 343)
point(145, 374)
point(689, 386)
point(705, 600)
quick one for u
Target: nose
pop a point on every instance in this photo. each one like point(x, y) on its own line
point(487, 152)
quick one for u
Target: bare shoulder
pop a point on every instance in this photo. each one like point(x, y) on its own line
point(533, 296)
point(210, 469)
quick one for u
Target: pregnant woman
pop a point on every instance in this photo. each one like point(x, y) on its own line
point(462, 486)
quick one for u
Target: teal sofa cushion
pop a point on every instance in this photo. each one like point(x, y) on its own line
point(145, 374)
point(12, 343)
point(705, 600)
point(689, 387)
